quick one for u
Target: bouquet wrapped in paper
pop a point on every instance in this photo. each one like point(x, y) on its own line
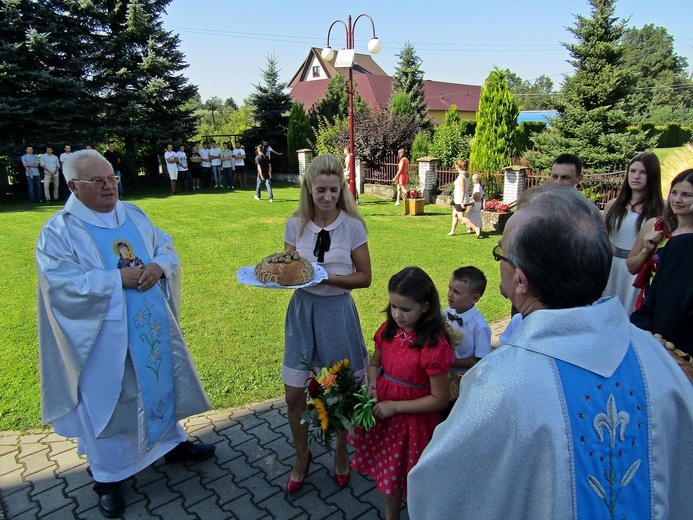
point(336, 402)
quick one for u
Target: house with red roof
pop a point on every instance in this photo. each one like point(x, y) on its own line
point(310, 82)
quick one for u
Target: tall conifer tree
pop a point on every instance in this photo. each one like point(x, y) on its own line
point(495, 140)
point(409, 78)
point(592, 121)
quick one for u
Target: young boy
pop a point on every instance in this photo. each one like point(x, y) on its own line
point(466, 287)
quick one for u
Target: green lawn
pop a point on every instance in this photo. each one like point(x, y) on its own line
point(662, 153)
point(235, 332)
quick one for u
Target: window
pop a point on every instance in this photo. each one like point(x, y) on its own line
point(316, 71)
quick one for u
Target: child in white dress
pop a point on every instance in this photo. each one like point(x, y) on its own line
point(474, 214)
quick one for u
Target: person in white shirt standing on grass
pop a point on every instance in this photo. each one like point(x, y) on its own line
point(171, 159)
point(51, 168)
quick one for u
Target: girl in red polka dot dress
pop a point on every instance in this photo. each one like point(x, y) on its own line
point(409, 378)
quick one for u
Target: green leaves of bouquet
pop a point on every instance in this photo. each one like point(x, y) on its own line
point(335, 402)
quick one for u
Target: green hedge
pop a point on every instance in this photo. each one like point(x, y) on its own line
point(667, 136)
point(525, 131)
point(468, 127)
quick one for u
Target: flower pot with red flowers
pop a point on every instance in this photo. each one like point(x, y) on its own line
point(495, 215)
point(413, 203)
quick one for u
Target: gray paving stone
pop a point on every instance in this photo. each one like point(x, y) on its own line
point(28, 449)
point(37, 463)
point(276, 421)
point(7, 448)
point(53, 499)
point(240, 469)
point(176, 473)
point(225, 452)
point(75, 478)
point(209, 470)
point(18, 503)
point(43, 480)
point(283, 450)
point(220, 416)
point(68, 460)
point(86, 500)
point(251, 449)
point(159, 494)
point(61, 447)
point(271, 466)
point(137, 510)
point(345, 501)
point(147, 475)
point(250, 422)
point(225, 489)
point(244, 509)
point(278, 506)
point(27, 515)
point(264, 433)
point(52, 438)
point(209, 509)
point(173, 510)
point(376, 499)
point(309, 500)
point(192, 491)
point(242, 413)
point(260, 488)
point(32, 437)
point(61, 514)
point(209, 436)
point(9, 464)
point(9, 438)
point(12, 482)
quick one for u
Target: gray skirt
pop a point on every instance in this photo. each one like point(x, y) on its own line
point(324, 330)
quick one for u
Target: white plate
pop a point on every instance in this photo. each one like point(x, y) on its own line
point(246, 276)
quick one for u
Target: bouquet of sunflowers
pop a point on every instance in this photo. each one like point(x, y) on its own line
point(336, 401)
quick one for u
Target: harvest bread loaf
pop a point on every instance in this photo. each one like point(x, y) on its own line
point(287, 268)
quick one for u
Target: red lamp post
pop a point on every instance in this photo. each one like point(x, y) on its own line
point(327, 54)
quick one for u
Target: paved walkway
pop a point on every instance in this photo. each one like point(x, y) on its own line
point(41, 475)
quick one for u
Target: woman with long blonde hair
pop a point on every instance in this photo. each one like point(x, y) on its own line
point(322, 324)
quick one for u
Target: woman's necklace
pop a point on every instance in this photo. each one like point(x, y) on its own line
point(404, 337)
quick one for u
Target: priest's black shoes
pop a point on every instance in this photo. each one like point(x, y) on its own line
point(187, 450)
point(111, 504)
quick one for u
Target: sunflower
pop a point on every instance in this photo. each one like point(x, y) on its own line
point(322, 413)
point(338, 366)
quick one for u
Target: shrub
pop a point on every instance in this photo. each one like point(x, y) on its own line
point(420, 146)
point(525, 134)
point(672, 135)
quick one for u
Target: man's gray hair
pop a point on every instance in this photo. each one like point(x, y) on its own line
point(77, 162)
point(562, 246)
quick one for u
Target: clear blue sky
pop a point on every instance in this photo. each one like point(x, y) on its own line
point(458, 41)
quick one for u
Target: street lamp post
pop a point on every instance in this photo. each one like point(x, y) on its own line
point(327, 54)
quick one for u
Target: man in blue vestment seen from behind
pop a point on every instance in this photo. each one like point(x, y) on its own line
point(579, 414)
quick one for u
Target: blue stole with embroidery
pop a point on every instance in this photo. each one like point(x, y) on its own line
point(147, 324)
point(608, 424)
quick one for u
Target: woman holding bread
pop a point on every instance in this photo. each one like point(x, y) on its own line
point(322, 324)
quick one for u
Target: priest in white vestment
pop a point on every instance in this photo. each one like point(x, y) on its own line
point(115, 370)
point(578, 414)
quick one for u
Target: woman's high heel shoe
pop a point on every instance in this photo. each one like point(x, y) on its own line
point(292, 486)
point(342, 480)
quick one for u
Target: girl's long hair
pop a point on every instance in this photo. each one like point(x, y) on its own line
point(414, 283)
point(652, 204)
point(669, 218)
point(326, 164)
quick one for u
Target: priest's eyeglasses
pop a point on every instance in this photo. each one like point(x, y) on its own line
point(100, 183)
point(498, 255)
